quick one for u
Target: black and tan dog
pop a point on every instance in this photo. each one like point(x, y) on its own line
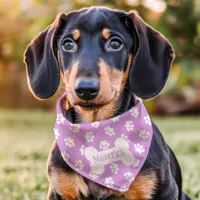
point(104, 56)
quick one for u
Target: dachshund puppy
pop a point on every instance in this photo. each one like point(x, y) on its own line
point(103, 57)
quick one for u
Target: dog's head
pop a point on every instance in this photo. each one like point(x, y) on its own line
point(98, 52)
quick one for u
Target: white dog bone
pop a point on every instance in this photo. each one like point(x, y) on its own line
point(120, 152)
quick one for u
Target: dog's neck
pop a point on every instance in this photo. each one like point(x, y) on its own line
point(117, 107)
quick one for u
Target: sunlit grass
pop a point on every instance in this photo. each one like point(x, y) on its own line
point(26, 137)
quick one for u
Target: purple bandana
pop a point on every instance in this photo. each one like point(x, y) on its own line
point(110, 152)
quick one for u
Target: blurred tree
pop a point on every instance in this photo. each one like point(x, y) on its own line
point(182, 17)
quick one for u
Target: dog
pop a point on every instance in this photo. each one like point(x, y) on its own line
point(104, 56)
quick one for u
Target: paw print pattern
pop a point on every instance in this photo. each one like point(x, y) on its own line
point(136, 163)
point(114, 168)
point(139, 148)
point(56, 133)
point(79, 165)
point(125, 137)
point(109, 182)
point(129, 125)
point(109, 152)
point(147, 120)
point(65, 156)
point(129, 176)
point(134, 112)
point(93, 175)
point(74, 128)
point(144, 134)
point(115, 119)
point(89, 136)
point(109, 131)
point(104, 145)
point(95, 124)
point(69, 142)
point(60, 119)
point(123, 189)
point(82, 150)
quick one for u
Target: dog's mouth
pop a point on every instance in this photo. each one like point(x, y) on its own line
point(90, 105)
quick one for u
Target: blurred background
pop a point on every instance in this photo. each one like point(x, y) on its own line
point(178, 20)
point(26, 125)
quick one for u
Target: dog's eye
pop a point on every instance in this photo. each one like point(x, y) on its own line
point(114, 44)
point(68, 45)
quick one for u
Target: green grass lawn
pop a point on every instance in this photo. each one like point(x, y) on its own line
point(26, 137)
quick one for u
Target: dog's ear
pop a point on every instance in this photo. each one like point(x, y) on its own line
point(40, 57)
point(152, 60)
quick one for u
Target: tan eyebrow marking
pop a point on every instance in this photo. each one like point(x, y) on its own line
point(76, 34)
point(106, 33)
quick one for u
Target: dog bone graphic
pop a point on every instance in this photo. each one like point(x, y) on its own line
point(120, 152)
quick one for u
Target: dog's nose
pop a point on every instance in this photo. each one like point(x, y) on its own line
point(87, 88)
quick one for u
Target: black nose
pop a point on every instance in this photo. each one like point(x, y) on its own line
point(87, 88)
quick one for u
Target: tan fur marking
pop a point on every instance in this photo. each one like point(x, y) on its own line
point(69, 80)
point(112, 83)
point(125, 75)
point(67, 185)
point(142, 188)
point(106, 33)
point(76, 34)
point(67, 104)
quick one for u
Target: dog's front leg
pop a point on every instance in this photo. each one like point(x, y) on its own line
point(65, 183)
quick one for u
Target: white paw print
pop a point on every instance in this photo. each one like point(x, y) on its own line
point(123, 189)
point(136, 163)
point(125, 137)
point(60, 119)
point(74, 128)
point(82, 150)
point(134, 112)
point(69, 142)
point(147, 120)
point(93, 175)
point(65, 156)
point(114, 168)
point(109, 182)
point(89, 136)
point(115, 119)
point(129, 125)
point(139, 148)
point(104, 145)
point(109, 131)
point(129, 176)
point(56, 133)
point(95, 124)
point(79, 165)
point(144, 134)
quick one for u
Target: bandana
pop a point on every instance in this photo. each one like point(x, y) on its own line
point(109, 152)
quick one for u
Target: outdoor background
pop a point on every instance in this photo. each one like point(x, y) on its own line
point(26, 124)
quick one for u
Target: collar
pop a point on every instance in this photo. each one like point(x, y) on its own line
point(109, 152)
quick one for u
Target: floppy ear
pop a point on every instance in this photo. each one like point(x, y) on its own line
point(43, 73)
point(151, 63)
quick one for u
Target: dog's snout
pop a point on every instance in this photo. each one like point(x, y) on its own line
point(87, 88)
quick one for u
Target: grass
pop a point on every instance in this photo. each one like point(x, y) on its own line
point(26, 137)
